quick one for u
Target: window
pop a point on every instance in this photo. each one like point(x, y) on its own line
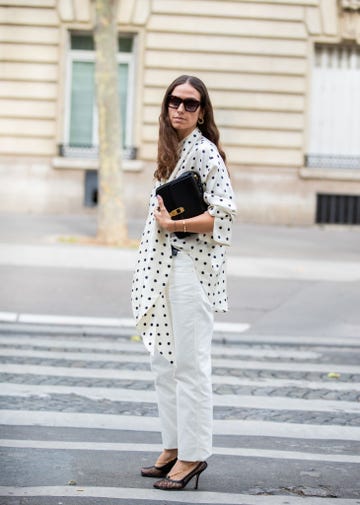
point(335, 108)
point(81, 127)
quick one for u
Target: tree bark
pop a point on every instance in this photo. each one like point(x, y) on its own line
point(112, 227)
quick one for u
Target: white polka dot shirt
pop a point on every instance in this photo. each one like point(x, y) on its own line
point(207, 250)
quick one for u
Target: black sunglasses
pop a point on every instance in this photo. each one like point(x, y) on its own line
point(190, 104)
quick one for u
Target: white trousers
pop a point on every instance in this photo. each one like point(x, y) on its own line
point(184, 389)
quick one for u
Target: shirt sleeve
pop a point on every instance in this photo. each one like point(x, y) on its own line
point(219, 197)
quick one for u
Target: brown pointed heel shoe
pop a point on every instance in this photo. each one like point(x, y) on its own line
point(168, 484)
point(158, 471)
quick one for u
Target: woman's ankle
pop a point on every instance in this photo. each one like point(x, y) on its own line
point(166, 456)
point(182, 468)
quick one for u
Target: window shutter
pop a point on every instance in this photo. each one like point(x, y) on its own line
point(335, 108)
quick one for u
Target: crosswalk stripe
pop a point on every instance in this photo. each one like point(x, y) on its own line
point(144, 358)
point(223, 363)
point(110, 356)
point(147, 423)
point(129, 323)
point(352, 341)
point(266, 382)
point(72, 356)
point(98, 373)
point(8, 317)
point(139, 348)
point(226, 400)
point(198, 497)
point(136, 447)
point(234, 381)
point(289, 367)
point(238, 337)
point(60, 371)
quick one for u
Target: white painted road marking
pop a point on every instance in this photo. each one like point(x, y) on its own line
point(225, 400)
point(187, 496)
point(243, 452)
point(147, 423)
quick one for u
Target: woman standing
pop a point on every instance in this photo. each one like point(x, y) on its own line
point(180, 282)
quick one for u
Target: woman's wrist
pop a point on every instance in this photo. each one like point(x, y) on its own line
point(172, 226)
point(175, 226)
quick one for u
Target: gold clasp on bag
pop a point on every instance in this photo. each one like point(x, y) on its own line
point(177, 211)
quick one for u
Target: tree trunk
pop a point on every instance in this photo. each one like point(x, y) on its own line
point(112, 228)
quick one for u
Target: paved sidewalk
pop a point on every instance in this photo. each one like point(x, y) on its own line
point(78, 399)
point(282, 280)
point(314, 242)
point(264, 251)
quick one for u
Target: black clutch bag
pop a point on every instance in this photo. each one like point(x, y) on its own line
point(183, 198)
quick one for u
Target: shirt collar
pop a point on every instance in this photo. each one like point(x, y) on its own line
point(190, 140)
point(185, 147)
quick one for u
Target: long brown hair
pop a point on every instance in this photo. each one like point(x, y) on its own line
point(168, 143)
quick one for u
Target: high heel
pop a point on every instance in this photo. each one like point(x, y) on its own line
point(168, 484)
point(158, 471)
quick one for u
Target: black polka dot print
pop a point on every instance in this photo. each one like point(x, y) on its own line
point(149, 301)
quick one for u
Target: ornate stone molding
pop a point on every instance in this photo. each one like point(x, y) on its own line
point(75, 10)
point(350, 5)
point(130, 12)
point(350, 20)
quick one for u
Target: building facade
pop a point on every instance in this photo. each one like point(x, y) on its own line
point(283, 75)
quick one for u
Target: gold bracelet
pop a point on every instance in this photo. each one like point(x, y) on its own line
point(184, 226)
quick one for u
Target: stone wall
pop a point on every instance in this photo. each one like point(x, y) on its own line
point(254, 55)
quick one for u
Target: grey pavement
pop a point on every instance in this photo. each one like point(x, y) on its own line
point(313, 242)
point(78, 413)
point(78, 418)
point(282, 280)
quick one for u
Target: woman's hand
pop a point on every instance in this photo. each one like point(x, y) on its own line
point(204, 223)
point(162, 216)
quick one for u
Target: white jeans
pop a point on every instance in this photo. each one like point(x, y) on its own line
point(184, 389)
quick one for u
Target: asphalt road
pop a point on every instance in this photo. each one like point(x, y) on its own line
point(77, 409)
point(79, 418)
